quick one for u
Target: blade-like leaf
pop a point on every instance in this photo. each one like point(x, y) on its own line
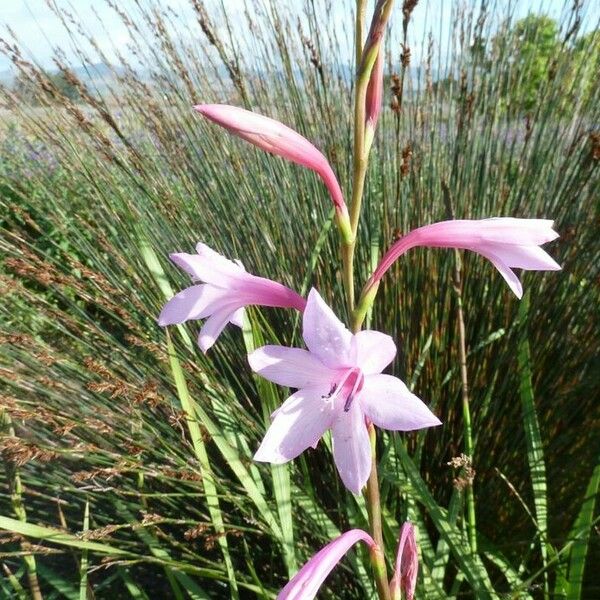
point(533, 437)
point(582, 528)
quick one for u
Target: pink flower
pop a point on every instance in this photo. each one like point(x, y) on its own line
point(306, 583)
point(276, 138)
point(506, 242)
point(339, 384)
point(227, 288)
point(407, 565)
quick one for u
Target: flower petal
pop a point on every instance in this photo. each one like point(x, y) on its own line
point(512, 230)
point(195, 302)
point(299, 423)
point(352, 448)
point(509, 276)
point(531, 258)
point(205, 267)
point(387, 402)
point(213, 327)
point(306, 583)
point(374, 351)
point(325, 335)
point(237, 318)
point(293, 367)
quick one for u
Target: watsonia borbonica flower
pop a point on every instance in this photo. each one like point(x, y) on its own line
point(505, 241)
point(224, 290)
point(340, 384)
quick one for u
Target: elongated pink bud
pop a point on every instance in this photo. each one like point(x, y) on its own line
point(506, 242)
point(275, 137)
point(306, 583)
point(407, 565)
point(375, 93)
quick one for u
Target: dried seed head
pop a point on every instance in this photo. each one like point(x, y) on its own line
point(405, 56)
point(467, 474)
point(406, 160)
point(195, 532)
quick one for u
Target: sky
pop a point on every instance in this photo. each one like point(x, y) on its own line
point(38, 29)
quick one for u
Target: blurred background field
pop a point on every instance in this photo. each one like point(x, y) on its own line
point(126, 454)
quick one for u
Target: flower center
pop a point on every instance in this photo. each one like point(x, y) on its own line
point(347, 387)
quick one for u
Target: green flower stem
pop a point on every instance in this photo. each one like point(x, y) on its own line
point(365, 59)
point(467, 429)
point(362, 145)
point(348, 273)
point(361, 10)
point(374, 510)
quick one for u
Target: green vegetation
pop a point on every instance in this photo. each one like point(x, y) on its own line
point(127, 453)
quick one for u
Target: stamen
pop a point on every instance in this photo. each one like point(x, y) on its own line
point(338, 387)
point(331, 391)
point(358, 382)
point(348, 402)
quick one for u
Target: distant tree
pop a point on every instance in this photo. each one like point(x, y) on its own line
point(586, 63)
point(532, 44)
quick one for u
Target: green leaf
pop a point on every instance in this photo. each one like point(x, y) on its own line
point(15, 583)
point(535, 449)
point(136, 592)
point(56, 536)
point(470, 564)
point(581, 534)
point(210, 488)
point(197, 413)
point(253, 339)
point(83, 565)
point(58, 581)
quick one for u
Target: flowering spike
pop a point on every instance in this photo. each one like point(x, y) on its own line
point(506, 242)
point(275, 137)
point(407, 565)
point(306, 583)
point(224, 291)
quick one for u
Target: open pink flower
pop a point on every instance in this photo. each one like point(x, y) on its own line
point(407, 565)
point(306, 583)
point(275, 137)
point(339, 384)
point(506, 242)
point(227, 288)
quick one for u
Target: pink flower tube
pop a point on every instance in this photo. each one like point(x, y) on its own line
point(275, 137)
point(407, 565)
point(306, 583)
point(222, 290)
point(506, 242)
